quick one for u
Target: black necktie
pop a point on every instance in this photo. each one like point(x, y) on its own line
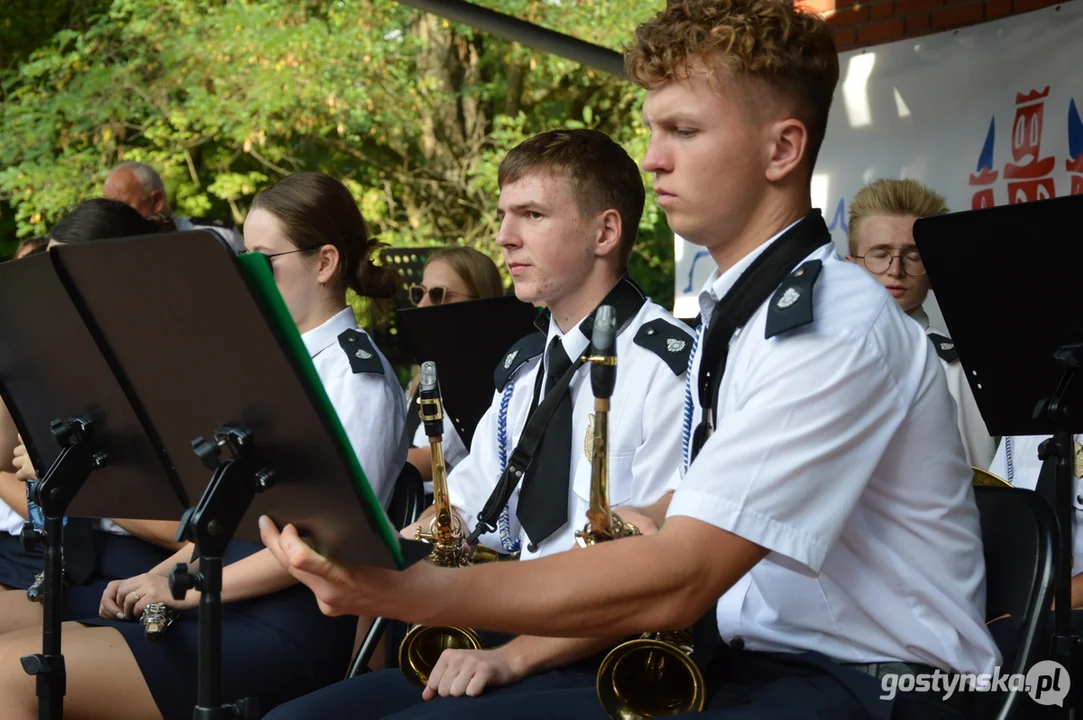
point(543, 499)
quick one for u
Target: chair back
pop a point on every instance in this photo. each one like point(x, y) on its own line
point(1018, 530)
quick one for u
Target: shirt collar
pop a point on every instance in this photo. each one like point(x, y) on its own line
point(626, 297)
point(324, 336)
point(921, 317)
point(575, 343)
point(718, 285)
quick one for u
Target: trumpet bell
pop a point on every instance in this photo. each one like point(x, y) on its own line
point(649, 678)
point(423, 645)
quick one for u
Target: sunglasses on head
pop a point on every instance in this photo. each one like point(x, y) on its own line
point(437, 295)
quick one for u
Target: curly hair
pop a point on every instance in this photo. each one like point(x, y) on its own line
point(790, 48)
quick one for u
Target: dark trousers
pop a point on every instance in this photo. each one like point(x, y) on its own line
point(744, 685)
point(389, 695)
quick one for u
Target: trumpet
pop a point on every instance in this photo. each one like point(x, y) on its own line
point(653, 675)
point(423, 645)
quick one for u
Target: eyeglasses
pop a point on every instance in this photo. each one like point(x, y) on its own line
point(271, 256)
point(437, 295)
point(879, 260)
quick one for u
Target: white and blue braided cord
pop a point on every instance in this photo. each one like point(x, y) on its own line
point(504, 523)
point(689, 406)
point(1008, 458)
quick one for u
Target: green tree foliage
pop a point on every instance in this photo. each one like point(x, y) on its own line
point(226, 97)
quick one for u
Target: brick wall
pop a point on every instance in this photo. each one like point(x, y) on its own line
point(861, 23)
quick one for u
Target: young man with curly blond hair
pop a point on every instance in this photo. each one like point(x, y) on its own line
point(823, 539)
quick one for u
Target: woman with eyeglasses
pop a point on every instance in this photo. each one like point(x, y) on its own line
point(882, 217)
point(276, 644)
point(450, 275)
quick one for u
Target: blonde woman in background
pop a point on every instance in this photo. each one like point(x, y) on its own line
point(453, 274)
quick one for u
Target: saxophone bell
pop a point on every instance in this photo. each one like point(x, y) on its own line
point(422, 646)
point(652, 675)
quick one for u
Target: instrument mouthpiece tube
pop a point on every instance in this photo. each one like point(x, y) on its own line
point(603, 376)
point(432, 411)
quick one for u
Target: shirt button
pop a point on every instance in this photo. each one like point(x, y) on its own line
point(532, 548)
point(737, 643)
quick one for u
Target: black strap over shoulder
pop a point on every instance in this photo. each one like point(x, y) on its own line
point(627, 299)
point(752, 289)
point(762, 278)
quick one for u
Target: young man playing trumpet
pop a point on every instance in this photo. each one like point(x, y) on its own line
point(824, 529)
point(570, 204)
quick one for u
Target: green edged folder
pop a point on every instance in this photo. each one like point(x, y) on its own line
point(200, 338)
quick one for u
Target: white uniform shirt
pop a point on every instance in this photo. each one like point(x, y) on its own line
point(370, 406)
point(1016, 461)
point(829, 450)
point(978, 444)
point(11, 522)
point(644, 436)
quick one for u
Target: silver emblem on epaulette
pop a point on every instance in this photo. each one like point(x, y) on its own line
point(509, 358)
point(946, 346)
point(674, 346)
point(363, 354)
point(788, 298)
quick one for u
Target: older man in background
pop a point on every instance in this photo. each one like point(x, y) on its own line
point(139, 186)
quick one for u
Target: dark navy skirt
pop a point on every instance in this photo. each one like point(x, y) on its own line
point(18, 567)
point(117, 557)
point(275, 648)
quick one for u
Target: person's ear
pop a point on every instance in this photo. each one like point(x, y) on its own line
point(788, 143)
point(328, 264)
point(610, 229)
point(157, 201)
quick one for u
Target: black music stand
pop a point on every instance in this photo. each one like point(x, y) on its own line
point(81, 428)
point(209, 349)
point(466, 340)
point(1007, 281)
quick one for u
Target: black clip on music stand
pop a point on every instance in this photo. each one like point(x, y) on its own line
point(1007, 282)
point(206, 342)
point(100, 461)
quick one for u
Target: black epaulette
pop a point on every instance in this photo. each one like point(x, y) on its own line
point(363, 356)
point(670, 342)
point(791, 305)
point(524, 349)
point(945, 347)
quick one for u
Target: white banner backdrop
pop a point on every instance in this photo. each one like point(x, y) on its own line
point(985, 115)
